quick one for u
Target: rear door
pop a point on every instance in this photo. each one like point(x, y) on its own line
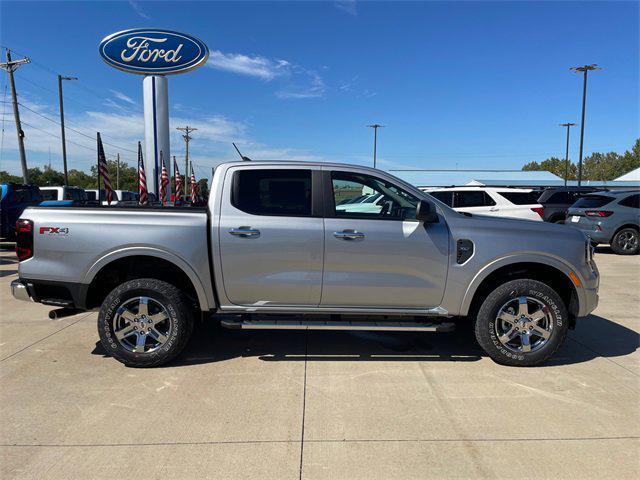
point(383, 258)
point(271, 236)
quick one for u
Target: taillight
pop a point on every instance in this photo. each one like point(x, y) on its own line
point(539, 211)
point(598, 213)
point(24, 239)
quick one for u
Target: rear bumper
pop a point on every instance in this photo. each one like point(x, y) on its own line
point(20, 291)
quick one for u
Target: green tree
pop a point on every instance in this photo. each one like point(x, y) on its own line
point(6, 177)
point(553, 165)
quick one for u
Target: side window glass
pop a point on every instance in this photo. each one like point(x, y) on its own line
point(444, 197)
point(473, 198)
point(273, 192)
point(632, 201)
point(364, 196)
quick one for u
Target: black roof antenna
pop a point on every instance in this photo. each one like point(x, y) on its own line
point(244, 159)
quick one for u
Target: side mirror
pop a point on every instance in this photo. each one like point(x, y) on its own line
point(426, 212)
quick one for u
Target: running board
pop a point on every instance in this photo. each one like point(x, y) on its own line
point(336, 325)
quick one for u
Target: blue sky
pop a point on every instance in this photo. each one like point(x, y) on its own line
point(456, 84)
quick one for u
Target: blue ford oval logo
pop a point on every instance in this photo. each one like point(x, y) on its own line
point(153, 52)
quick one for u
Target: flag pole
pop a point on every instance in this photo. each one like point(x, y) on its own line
point(98, 165)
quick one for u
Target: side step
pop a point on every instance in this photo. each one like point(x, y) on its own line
point(388, 326)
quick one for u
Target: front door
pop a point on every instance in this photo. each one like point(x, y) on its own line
point(376, 253)
point(271, 237)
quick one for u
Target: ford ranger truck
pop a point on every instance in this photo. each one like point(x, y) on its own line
point(275, 240)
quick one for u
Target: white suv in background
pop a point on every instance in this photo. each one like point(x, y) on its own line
point(498, 202)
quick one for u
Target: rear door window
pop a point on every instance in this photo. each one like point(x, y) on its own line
point(273, 192)
point(632, 201)
point(521, 198)
point(445, 197)
point(593, 201)
point(472, 198)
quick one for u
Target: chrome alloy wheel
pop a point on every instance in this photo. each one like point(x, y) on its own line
point(142, 325)
point(627, 241)
point(523, 324)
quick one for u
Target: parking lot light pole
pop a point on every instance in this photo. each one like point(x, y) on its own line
point(585, 69)
point(375, 127)
point(566, 155)
point(64, 143)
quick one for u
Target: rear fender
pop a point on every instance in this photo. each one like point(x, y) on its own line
point(152, 252)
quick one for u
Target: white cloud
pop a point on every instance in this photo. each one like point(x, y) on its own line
point(311, 86)
point(348, 6)
point(253, 66)
point(138, 9)
point(353, 87)
point(123, 97)
point(296, 82)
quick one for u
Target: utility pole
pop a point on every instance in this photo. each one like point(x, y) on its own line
point(566, 155)
point(118, 171)
point(64, 143)
point(375, 127)
point(585, 69)
point(10, 66)
point(187, 130)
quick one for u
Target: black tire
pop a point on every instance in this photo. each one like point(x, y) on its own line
point(178, 322)
point(626, 241)
point(488, 327)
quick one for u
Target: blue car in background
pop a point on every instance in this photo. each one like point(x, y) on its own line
point(14, 198)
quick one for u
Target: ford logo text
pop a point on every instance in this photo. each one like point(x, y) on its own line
point(153, 51)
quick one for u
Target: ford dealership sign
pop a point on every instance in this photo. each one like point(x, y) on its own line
point(148, 51)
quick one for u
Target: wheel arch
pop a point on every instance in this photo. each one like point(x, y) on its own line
point(142, 262)
point(547, 270)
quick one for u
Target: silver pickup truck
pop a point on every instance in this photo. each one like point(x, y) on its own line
point(281, 246)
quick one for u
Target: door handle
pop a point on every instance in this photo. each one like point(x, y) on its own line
point(245, 232)
point(349, 235)
point(494, 209)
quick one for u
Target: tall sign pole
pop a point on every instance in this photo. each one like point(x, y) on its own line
point(10, 66)
point(154, 53)
point(156, 126)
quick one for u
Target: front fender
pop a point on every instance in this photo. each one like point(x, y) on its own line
point(151, 252)
point(551, 261)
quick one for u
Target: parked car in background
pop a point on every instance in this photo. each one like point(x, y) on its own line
point(556, 201)
point(14, 198)
point(119, 196)
point(63, 196)
point(497, 202)
point(609, 217)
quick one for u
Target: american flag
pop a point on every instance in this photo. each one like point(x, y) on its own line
point(103, 172)
point(142, 178)
point(178, 179)
point(164, 181)
point(194, 187)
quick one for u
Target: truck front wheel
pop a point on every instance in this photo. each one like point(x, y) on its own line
point(145, 322)
point(521, 323)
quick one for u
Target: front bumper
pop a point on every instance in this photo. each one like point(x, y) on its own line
point(20, 291)
point(590, 302)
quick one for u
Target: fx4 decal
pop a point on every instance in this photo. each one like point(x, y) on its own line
point(61, 231)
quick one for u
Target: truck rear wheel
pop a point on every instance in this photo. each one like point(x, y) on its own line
point(145, 322)
point(521, 323)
